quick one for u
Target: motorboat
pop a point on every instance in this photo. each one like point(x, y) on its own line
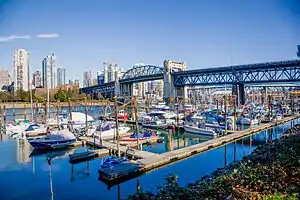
point(63, 118)
point(13, 128)
point(248, 121)
point(197, 126)
point(122, 115)
point(78, 119)
point(141, 136)
point(154, 122)
point(107, 130)
point(32, 129)
point(114, 167)
point(54, 140)
point(160, 106)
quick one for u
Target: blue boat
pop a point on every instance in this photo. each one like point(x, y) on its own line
point(53, 140)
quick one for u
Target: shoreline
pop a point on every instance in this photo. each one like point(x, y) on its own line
point(271, 170)
point(41, 105)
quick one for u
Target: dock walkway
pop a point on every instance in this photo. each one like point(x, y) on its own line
point(149, 160)
point(113, 146)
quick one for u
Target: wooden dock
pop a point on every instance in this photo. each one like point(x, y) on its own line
point(150, 161)
point(113, 148)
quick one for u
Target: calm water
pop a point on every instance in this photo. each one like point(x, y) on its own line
point(24, 177)
point(93, 111)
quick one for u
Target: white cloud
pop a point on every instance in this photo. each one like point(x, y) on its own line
point(14, 37)
point(51, 35)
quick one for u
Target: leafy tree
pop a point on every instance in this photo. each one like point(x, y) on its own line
point(63, 95)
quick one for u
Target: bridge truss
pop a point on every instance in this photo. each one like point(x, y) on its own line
point(96, 89)
point(142, 73)
point(276, 72)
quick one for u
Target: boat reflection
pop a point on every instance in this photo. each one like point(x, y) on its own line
point(80, 174)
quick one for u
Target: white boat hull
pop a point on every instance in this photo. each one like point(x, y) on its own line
point(109, 133)
point(199, 131)
point(161, 126)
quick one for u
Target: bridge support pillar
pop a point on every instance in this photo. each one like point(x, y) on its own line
point(238, 89)
point(170, 91)
point(236, 93)
point(242, 94)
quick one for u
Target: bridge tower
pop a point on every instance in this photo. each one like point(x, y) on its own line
point(170, 91)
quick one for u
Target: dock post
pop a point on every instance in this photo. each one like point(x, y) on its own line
point(57, 114)
point(234, 112)
point(117, 126)
point(0, 115)
point(86, 113)
point(45, 112)
point(25, 114)
point(135, 106)
point(70, 111)
point(225, 108)
point(14, 112)
point(177, 119)
point(4, 114)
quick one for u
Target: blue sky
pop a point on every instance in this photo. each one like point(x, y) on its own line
point(203, 33)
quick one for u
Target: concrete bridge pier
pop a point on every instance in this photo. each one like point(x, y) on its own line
point(238, 89)
point(170, 91)
point(242, 99)
point(126, 89)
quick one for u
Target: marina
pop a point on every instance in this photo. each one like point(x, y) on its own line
point(222, 155)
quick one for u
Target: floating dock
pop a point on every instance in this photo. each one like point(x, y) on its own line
point(87, 155)
point(149, 161)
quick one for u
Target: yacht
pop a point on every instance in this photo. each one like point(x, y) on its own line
point(54, 140)
point(107, 130)
point(142, 137)
point(154, 122)
point(123, 115)
point(197, 126)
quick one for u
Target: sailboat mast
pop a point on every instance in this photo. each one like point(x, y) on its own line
point(48, 101)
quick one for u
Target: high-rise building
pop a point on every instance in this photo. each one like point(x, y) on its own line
point(76, 83)
point(298, 52)
point(100, 78)
point(111, 72)
point(95, 81)
point(36, 79)
point(61, 76)
point(4, 77)
point(87, 79)
point(71, 82)
point(21, 70)
point(49, 78)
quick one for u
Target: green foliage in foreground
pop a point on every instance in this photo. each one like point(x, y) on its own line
point(272, 172)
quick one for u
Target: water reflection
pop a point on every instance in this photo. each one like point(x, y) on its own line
point(51, 174)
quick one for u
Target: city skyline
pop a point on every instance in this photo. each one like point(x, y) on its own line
point(205, 34)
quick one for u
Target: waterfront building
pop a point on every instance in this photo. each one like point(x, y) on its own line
point(71, 82)
point(4, 77)
point(100, 78)
point(49, 78)
point(21, 70)
point(76, 83)
point(95, 81)
point(111, 72)
point(36, 79)
point(87, 79)
point(61, 76)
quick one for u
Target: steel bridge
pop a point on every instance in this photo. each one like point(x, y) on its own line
point(142, 73)
point(108, 89)
point(262, 73)
point(275, 72)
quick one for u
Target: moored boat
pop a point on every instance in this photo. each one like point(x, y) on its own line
point(54, 140)
point(142, 137)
